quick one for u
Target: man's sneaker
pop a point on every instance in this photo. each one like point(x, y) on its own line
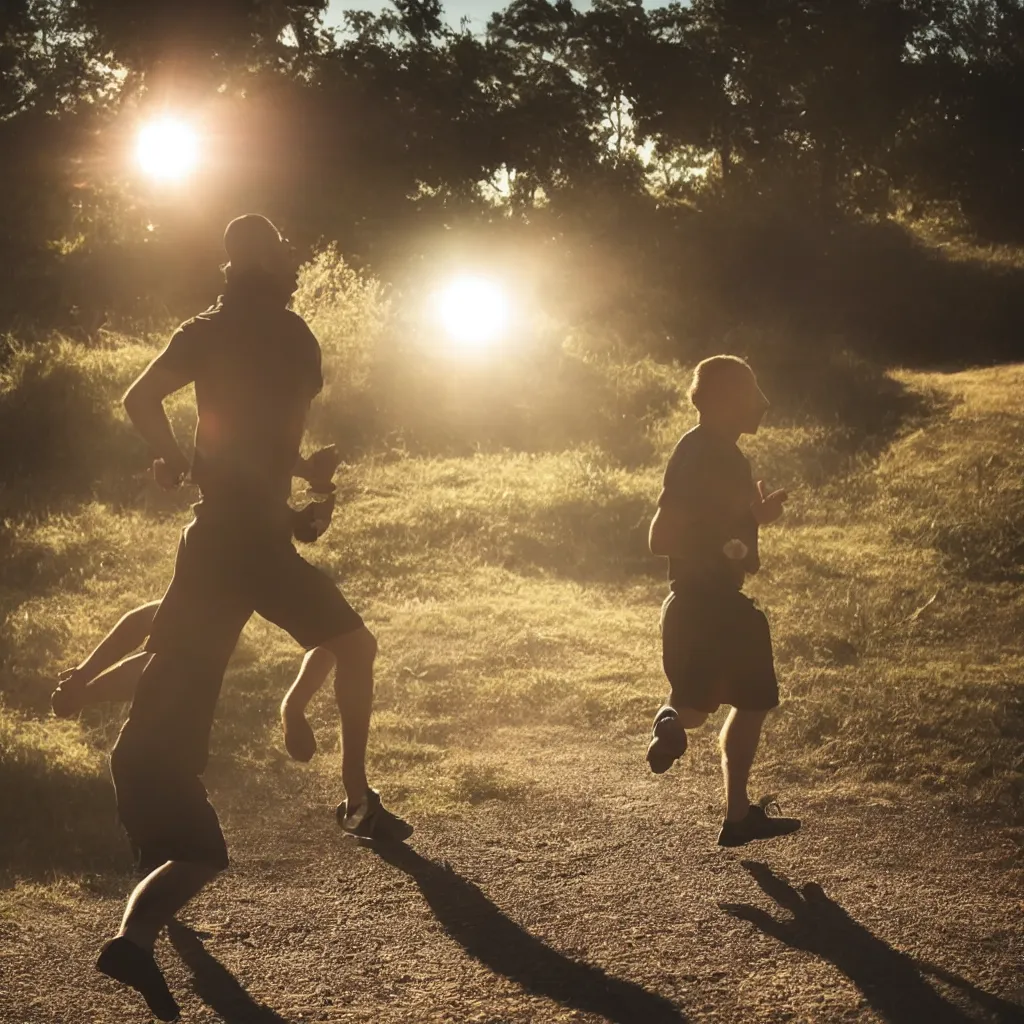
point(758, 824)
point(372, 820)
point(132, 965)
point(668, 741)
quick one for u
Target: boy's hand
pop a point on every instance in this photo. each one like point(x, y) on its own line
point(67, 698)
point(767, 507)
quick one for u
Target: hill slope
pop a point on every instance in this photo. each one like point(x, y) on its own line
point(551, 877)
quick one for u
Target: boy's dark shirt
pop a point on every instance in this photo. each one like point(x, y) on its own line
point(711, 478)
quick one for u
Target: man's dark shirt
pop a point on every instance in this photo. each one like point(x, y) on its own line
point(256, 367)
point(710, 478)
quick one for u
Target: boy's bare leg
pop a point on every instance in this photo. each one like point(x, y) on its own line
point(739, 738)
point(298, 736)
point(76, 691)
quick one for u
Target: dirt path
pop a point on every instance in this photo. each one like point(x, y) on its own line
point(603, 898)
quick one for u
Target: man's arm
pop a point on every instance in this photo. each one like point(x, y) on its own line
point(144, 404)
point(318, 469)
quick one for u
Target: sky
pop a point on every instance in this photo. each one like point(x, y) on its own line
point(478, 11)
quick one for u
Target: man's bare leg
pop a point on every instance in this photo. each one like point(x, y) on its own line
point(361, 814)
point(354, 654)
point(298, 736)
point(159, 896)
point(128, 957)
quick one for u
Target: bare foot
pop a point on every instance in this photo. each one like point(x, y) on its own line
point(69, 697)
point(299, 740)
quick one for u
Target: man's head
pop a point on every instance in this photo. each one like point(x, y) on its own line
point(724, 391)
point(254, 245)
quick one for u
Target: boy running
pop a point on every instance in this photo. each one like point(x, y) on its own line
point(716, 645)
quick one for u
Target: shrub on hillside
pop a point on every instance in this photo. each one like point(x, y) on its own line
point(394, 382)
point(62, 433)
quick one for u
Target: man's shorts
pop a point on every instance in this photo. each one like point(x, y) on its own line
point(717, 649)
point(223, 573)
point(165, 811)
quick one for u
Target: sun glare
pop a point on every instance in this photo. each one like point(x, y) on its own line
point(167, 149)
point(474, 311)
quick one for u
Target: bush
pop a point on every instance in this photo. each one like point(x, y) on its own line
point(393, 383)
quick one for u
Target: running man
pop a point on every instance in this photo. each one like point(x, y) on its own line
point(716, 646)
point(256, 369)
point(112, 670)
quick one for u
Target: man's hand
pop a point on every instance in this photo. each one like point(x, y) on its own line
point(767, 507)
point(310, 523)
point(169, 476)
point(318, 469)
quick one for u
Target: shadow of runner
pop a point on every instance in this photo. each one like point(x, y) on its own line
point(494, 939)
point(891, 981)
point(215, 984)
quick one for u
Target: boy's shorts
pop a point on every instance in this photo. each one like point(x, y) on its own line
point(717, 649)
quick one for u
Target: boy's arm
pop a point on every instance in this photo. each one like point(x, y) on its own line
point(767, 507)
point(117, 683)
point(673, 521)
point(128, 635)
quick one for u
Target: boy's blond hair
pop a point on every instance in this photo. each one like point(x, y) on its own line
point(710, 374)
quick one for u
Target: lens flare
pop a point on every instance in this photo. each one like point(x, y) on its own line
point(473, 311)
point(167, 150)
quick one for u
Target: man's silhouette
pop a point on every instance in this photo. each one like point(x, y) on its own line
point(256, 368)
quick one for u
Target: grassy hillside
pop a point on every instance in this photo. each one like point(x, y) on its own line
point(512, 590)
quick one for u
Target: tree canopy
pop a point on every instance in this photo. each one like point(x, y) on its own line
point(827, 109)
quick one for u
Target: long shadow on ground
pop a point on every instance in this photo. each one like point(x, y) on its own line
point(215, 984)
point(892, 982)
point(500, 944)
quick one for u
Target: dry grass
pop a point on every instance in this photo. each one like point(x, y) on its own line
point(514, 590)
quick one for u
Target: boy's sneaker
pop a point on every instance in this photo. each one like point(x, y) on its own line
point(758, 824)
point(132, 965)
point(372, 820)
point(668, 741)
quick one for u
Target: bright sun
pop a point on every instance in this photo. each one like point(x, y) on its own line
point(473, 311)
point(167, 149)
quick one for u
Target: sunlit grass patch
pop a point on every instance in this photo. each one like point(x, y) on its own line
point(512, 592)
point(57, 811)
